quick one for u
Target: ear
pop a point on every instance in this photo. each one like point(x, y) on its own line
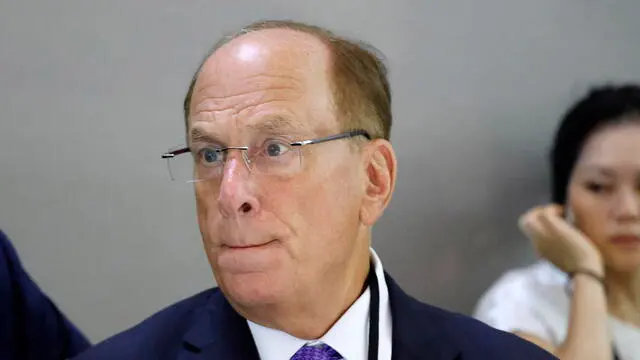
point(380, 179)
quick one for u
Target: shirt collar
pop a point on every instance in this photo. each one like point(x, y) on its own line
point(348, 336)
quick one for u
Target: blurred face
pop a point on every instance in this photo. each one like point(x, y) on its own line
point(604, 193)
point(282, 235)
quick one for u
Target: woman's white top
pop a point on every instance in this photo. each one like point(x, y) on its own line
point(533, 300)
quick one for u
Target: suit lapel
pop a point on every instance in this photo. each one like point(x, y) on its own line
point(218, 332)
point(417, 331)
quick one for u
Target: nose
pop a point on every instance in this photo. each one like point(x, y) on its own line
point(237, 192)
point(627, 205)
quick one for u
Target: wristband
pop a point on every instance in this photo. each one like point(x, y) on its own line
point(590, 273)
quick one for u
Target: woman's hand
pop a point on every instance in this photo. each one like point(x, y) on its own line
point(560, 242)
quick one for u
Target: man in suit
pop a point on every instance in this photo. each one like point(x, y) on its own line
point(31, 326)
point(288, 127)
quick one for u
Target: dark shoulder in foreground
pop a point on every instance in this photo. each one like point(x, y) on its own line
point(158, 337)
point(477, 340)
point(422, 331)
point(31, 325)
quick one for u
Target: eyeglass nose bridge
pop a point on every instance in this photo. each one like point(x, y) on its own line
point(245, 155)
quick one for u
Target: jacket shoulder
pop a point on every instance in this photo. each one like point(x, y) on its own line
point(477, 340)
point(419, 329)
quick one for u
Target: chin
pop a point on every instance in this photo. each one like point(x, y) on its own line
point(624, 262)
point(252, 290)
point(252, 277)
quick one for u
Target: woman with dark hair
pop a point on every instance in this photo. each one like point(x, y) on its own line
point(582, 301)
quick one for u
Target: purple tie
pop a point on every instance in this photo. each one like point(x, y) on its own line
point(320, 351)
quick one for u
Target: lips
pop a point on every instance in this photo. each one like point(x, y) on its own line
point(248, 246)
point(626, 239)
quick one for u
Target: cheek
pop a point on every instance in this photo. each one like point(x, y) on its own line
point(206, 211)
point(590, 213)
point(302, 203)
point(319, 205)
point(333, 192)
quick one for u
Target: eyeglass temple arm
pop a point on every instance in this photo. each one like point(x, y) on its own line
point(171, 154)
point(352, 133)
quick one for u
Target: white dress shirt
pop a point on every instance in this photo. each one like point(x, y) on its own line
point(349, 336)
point(533, 300)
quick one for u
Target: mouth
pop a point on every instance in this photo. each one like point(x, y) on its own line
point(626, 239)
point(249, 246)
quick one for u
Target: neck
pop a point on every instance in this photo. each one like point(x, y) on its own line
point(313, 311)
point(623, 294)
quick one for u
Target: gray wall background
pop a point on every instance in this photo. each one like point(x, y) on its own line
point(90, 95)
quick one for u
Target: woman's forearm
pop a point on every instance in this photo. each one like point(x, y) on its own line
point(587, 335)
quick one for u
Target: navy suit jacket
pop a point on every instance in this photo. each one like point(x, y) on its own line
point(31, 326)
point(205, 326)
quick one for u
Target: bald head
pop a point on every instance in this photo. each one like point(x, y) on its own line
point(262, 67)
point(284, 50)
point(356, 75)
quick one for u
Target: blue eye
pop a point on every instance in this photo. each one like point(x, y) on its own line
point(275, 149)
point(210, 156)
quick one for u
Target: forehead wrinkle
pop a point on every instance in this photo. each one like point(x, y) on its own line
point(260, 82)
point(270, 123)
point(241, 105)
point(275, 123)
point(284, 88)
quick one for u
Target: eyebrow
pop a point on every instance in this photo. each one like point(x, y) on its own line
point(600, 170)
point(199, 135)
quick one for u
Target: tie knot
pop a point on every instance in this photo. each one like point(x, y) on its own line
point(317, 351)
